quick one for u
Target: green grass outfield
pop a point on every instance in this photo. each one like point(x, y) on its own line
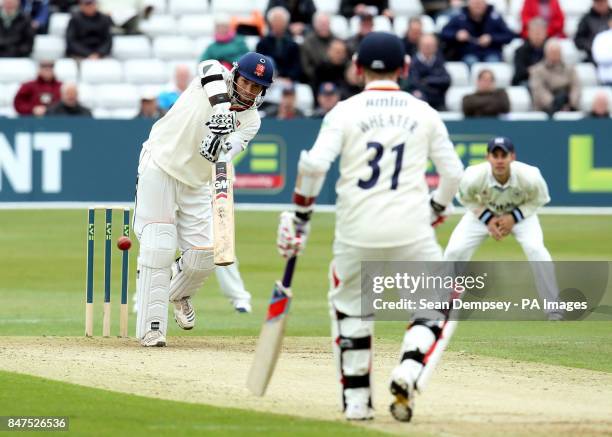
point(42, 271)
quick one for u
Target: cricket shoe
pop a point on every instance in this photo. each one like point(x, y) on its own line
point(184, 314)
point(402, 388)
point(242, 305)
point(153, 339)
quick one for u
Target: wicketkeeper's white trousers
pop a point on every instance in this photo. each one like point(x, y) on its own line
point(471, 233)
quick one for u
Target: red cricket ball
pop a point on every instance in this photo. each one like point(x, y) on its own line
point(124, 243)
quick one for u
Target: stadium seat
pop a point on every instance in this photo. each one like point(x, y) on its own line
point(274, 93)
point(159, 6)
point(201, 44)
point(7, 93)
point(568, 115)
point(101, 71)
point(48, 47)
point(131, 47)
point(570, 26)
point(502, 72)
point(8, 111)
point(381, 24)
point(441, 21)
point(407, 8)
point(153, 88)
point(124, 113)
point(17, 70)
point(501, 6)
point(400, 24)
point(251, 42)
point(510, 49)
point(171, 66)
point(569, 52)
point(115, 96)
point(66, 70)
point(101, 113)
point(339, 26)
point(525, 116)
point(87, 95)
point(233, 7)
point(329, 6)
point(574, 8)
point(158, 25)
point(515, 7)
point(195, 26)
point(141, 71)
point(588, 94)
point(459, 73)
point(520, 99)
point(185, 7)
point(451, 116)
point(173, 47)
point(58, 23)
point(304, 99)
point(587, 75)
point(454, 97)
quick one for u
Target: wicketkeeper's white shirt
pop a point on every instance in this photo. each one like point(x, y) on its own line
point(174, 141)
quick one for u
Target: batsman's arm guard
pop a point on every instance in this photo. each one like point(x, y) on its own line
point(214, 84)
point(311, 175)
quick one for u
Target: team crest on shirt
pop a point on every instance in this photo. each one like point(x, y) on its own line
point(260, 69)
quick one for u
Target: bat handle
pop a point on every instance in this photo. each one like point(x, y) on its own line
point(288, 275)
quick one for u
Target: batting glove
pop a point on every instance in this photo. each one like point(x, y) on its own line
point(212, 146)
point(292, 235)
point(222, 122)
point(438, 213)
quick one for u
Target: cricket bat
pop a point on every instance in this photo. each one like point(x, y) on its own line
point(223, 213)
point(272, 333)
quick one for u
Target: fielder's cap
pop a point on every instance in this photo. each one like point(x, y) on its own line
point(256, 67)
point(328, 88)
point(503, 143)
point(381, 51)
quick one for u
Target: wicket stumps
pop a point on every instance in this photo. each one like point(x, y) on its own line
point(89, 282)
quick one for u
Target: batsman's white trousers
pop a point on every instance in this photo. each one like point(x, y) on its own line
point(161, 198)
point(471, 232)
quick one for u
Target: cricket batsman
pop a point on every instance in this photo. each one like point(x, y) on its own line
point(216, 114)
point(502, 196)
point(384, 137)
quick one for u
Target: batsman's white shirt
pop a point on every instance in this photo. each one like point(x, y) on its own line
point(384, 137)
point(174, 141)
point(522, 194)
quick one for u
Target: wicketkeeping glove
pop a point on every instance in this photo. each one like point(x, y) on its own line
point(222, 122)
point(292, 235)
point(212, 146)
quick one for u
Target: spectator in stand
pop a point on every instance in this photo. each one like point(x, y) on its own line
point(279, 45)
point(327, 97)
point(89, 32)
point(69, 104)
point(487, 101)
point(148, 106)
point(428, 79)
point(228, 46)
point(601, 106)
point(530, 53)
point(182, 77)
point(477, 34)
point(554, 85)
point(349, 8)
point(549, 11)
point(34, 97)
point(602, 54)
point(63, 5)
point(413, 34)
point(366, 25)
point(435, 7)
point(16, 34)
point(301, 13)
point(593, 22)
point(38, 12)
point(286, 109)
point(314, 48)
point(332, 70)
